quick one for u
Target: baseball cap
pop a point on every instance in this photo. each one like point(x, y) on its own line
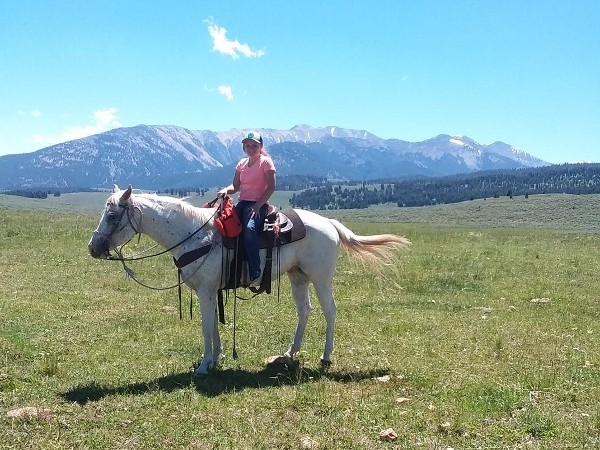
point(253, 136)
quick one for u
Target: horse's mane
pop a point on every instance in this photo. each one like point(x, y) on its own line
point(189, 211)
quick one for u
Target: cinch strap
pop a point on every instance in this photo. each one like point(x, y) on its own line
point(191, 256)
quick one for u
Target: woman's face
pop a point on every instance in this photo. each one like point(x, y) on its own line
point(252, 148)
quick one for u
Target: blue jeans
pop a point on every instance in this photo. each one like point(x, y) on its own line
point(250, 233)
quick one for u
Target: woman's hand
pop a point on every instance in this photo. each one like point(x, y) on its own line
point(232, 188)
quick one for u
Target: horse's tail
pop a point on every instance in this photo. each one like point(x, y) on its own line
point(375, 250)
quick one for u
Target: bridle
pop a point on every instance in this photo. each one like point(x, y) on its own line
point(125, 208)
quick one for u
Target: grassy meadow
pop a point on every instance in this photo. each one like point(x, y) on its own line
point(485, 335)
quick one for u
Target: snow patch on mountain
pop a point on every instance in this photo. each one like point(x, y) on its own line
point(456, 141)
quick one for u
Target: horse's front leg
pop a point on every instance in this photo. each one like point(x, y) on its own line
point(210, 331)
point(216, 341)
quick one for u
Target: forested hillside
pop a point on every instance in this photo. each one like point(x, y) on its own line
point(566, 178)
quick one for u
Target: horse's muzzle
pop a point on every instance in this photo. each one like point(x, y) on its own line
point(98, 247)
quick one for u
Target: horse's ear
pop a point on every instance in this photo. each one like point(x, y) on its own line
point(125, 196)
point(115, 188)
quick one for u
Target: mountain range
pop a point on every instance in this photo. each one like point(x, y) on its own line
point(165, 156)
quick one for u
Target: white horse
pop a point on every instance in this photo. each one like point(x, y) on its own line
point(180, 227)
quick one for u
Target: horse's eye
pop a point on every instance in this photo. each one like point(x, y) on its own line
point(111, 217)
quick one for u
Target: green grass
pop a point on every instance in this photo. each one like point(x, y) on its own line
point(489, 327)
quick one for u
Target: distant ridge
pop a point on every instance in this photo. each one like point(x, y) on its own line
point(162, 156)
point(578, 179)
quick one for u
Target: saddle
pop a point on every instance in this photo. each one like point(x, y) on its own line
point(284, 226)
point(280, 227)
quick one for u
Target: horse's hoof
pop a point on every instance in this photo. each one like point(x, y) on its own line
point(283, 360)
point(325, 364)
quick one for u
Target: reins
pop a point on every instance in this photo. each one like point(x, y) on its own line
point(138, 258)
point(224, 273)
point(130, 273)
point(184, 260)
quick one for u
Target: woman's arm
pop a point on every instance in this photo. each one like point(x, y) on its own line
point(271, 186)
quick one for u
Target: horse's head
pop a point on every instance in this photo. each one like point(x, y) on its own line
point(117, 224)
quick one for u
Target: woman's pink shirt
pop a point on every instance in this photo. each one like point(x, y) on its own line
point(253, 179)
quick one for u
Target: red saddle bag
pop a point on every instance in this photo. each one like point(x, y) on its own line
point(226, 219)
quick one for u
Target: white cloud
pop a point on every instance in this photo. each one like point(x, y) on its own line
point(107, 118)
point(104, 120)
point(226, 91)
point(36, 113)
point(228, 47)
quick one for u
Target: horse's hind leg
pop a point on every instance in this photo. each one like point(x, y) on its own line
point(299, 282)
point(324, 291)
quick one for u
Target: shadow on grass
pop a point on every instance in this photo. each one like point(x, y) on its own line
point(220, 381)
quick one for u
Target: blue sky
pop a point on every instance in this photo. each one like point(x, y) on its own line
point(523, 72)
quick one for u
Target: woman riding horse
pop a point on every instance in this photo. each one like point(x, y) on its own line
point(255, 180)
